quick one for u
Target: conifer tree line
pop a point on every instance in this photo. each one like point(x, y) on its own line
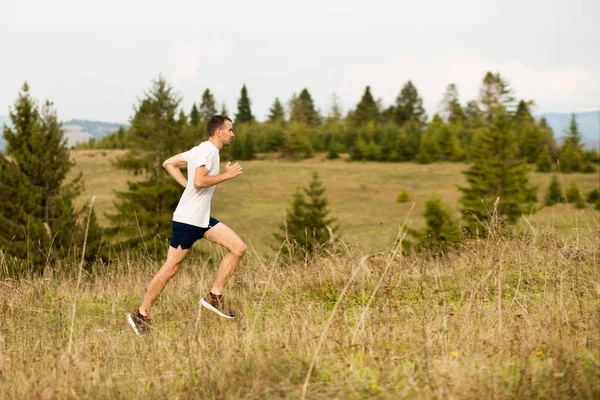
point(371, 132)
point(40, 227)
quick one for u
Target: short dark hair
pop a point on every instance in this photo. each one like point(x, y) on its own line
point(215, 122)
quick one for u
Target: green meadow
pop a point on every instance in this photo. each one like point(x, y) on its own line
point(362, 196)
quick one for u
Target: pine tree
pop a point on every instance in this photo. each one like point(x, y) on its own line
point(495, 173)
point(453, 112)
point(474, 117)
point(39, 167)
point(495, 94)
point(244, 114)
point(22, 232)
point(145, 210)
point(528, 132)
point(367, 110)
point(409, 106)
point(302, 109)
point(208, 106)
point(554, 194)
point(572, 158)
point(276, 112)
point(308, 220)
point(195, 116)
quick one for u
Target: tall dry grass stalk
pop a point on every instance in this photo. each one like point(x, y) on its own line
point(507, 316)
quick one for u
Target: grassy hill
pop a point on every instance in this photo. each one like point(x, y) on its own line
point(361, 195)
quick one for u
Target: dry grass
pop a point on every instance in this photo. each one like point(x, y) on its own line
point(504, 317)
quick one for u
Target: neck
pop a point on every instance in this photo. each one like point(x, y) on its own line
point(213, 139)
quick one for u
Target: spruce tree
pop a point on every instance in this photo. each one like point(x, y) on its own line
point(367, 110)
point(195, 117)
point(544, 162)
point(547, 139)
point(144, 211)
point(441, 229)
point(554, 194)
point(208, 107)
point(276, 112)
point(528, 133)
point(302, 109)
point(224, 110)
point(495, 95)
point(573, 194)
point(308, 220)
point(495, 172)
point(39, 166)
point(244, 114)
point(572, 158)
point(409, 106)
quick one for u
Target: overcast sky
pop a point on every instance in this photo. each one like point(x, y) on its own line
point(94, 59)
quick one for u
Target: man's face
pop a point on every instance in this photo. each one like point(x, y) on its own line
point(226, 133)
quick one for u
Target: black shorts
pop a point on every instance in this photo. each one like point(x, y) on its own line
point(185, 235)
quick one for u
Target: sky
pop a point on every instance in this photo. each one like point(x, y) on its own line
point(95, 59)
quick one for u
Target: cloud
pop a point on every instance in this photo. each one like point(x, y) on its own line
point(566, 87)
point(187, 62)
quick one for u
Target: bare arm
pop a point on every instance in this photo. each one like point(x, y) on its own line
point(173, 165)
point(202, 180)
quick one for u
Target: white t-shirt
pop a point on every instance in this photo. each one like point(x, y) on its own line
point(194, 205)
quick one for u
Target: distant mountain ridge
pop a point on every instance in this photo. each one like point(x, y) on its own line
point(76, 130)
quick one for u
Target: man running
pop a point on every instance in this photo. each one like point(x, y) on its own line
point(192, 220)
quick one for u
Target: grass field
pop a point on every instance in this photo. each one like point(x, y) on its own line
point(500, 318)
point(512, 316)
point(362, 196)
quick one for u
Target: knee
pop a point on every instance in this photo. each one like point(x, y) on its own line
point(239, 249)
point(171, 269)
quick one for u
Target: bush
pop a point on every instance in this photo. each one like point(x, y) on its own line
point(402, 196)
point(573, 192)
point(593, 196)
point(442, 230)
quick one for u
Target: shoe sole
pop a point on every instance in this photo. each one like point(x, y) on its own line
point(130, 321)
point(207, 305)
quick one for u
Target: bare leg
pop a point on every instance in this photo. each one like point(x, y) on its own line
point(223, 235)
point(174, 259)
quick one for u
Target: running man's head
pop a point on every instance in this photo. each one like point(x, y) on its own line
point(219, 127)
